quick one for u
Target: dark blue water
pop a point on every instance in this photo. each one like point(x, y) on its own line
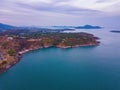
point(84, 68)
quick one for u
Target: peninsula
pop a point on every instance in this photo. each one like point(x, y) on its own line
point(14, 43)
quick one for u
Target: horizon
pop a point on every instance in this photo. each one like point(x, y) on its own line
point(38, 26)
point(60, 12)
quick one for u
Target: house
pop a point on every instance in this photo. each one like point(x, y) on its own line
point(10, 38)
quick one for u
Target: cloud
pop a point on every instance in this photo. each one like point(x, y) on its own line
point(58, 11)
point(62, 6)
point(65, 9)
point(105, 1)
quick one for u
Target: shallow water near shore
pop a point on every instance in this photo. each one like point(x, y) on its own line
point(83, 68)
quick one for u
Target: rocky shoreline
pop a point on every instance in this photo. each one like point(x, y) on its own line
point(7, 67)
point(21, 53)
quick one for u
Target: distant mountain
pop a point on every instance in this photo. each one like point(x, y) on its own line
point(88, 27)
point(76, 27)
point(6, 27)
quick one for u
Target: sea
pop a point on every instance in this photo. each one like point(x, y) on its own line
point(83, 68)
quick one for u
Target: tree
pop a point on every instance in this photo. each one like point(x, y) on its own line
point(12, 52)
point(3, 63)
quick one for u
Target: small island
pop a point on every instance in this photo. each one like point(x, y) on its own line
point(14, 43)
point(115, 31)
point(88, 27)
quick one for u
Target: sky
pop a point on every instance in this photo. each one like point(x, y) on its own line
point(60, 12)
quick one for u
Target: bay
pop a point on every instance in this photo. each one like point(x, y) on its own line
point(83, 68)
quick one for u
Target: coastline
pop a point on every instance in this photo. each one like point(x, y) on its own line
point(15, 47)
point(21, 53)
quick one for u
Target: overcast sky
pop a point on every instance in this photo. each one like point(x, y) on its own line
point(60, 12)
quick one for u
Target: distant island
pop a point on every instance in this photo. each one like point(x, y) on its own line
point(115, 31)
point(14, 43)
point(5, 27)
point(88, 27)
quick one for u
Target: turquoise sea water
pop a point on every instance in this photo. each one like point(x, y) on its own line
point(84, 68)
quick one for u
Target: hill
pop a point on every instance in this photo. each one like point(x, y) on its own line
point(6, 27)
